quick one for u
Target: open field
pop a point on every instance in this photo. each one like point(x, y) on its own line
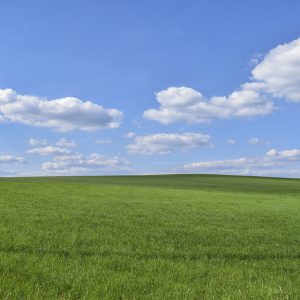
point(150, 237)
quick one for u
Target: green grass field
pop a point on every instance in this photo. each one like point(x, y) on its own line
point(150, 237)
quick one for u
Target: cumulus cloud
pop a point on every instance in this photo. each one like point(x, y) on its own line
point(62, 114)
point(257, 141)
point(37, 142)
point(274, 162)
point(279, 72)
point(49, 150)
point(163, 143)
point(76, 163)
point(12, 159)
point(276, 76)
point(188, 105)
point(65, 161)
point(62, 142)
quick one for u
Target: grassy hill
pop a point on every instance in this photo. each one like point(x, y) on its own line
point(150, 237)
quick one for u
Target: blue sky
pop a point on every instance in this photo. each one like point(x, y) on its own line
point(201, 86)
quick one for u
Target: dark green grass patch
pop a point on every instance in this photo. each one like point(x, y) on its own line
point(204, 237)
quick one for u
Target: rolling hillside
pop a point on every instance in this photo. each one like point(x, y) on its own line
point(150, 237)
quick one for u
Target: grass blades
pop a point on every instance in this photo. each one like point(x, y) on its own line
point(149, 237)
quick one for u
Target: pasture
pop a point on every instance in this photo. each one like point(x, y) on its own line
point(150, 237)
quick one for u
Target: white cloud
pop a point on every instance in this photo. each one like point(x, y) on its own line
point(277, 75)
point(272, 163)
point(257, 141)
point(188, 105)
point(12, 159)
point(130, 135)
point(288, 155)
point(77, 163)
point(37, 142)
point(163, 143)
point(279, 71)
point(49, 150)
point(62, 114)
point(231, 141)
point(219, 165)
point(67, 162)
point(62, 142)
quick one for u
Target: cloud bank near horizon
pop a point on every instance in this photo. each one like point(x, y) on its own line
point(285, 163)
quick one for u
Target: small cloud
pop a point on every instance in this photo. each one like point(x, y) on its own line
point(12, 159)
point(163, 143)
point(49, 150)
point(257, 141)
point(272, 153)
point(65, 143)
point(231, 141)
point(130, 135)
point(37, 142)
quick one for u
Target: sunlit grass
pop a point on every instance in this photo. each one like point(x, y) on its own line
point(164, 237)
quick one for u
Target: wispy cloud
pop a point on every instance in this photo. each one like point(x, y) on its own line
point(37, 142)
point(12, 159)
point(62, 142)
point(231, 141)
point(258, 141)
point(49, 150)
point(163, 143)
point(274, 162)
point(77, 163)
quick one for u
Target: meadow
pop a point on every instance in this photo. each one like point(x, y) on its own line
point(150, 237)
